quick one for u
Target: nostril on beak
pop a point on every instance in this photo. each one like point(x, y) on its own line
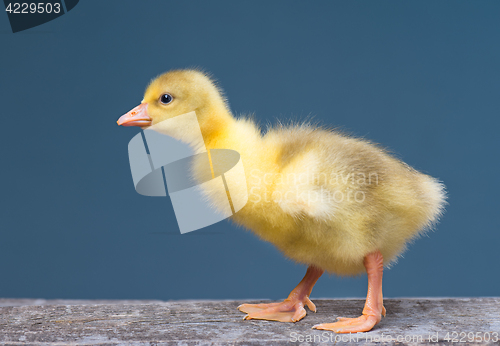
point(136, 117)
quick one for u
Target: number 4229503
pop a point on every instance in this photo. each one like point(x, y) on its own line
point(41, 7)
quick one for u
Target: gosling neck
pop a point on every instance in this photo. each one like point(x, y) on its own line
point(217, 124)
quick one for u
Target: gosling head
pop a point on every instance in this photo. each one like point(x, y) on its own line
point(175, 93)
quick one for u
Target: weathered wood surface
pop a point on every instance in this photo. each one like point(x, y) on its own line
point(408, 321)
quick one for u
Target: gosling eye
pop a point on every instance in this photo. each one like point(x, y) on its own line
point(166, 99)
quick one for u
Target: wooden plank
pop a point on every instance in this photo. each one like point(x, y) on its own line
point(408, 322)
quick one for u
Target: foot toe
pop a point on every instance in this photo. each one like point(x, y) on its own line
point(286, 311)
point(363, 323)
point(249, 308)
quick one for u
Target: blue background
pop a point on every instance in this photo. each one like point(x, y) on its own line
point(420, 77)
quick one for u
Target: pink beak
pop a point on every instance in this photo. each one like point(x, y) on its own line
point(136, 117)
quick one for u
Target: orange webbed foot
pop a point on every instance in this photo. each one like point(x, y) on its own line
point(363, 323)
point(290, 310)
point(374, 308)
